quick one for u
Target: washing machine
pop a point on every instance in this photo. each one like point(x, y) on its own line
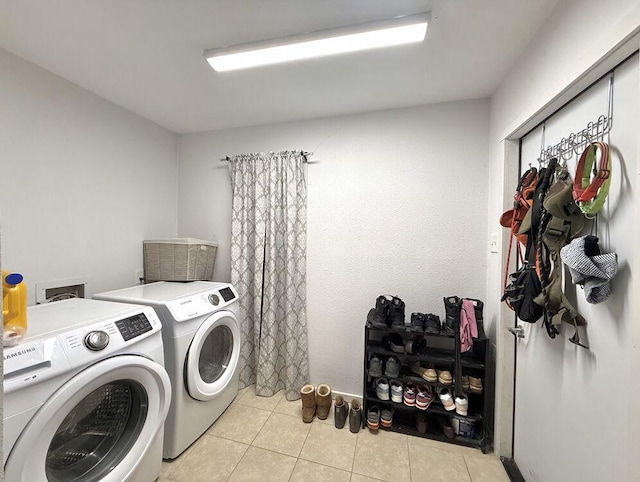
point(85, 394)
point(201, 336)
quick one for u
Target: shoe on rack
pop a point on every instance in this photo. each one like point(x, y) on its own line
point(416, 345)
point(429, 374)
point(417, 322)
point(392, 367)
point(447, 399)
point(421, 423)
point(386, 417)
point(396, 391)
point(395, 342)
point(452, 305)
point(382, 388)
point(396, 312)
point(323, 401)
point(465, 383)
point(308, 397)
point(355, 416)
point(379, 316)
point(373, 418)
point(447, 428)
point(424, 396)
point(444, 377)
point(432, 324)
point(462, 405)
point(475, 384)
point(375, 367)
point(341, 412)
point(409, 395)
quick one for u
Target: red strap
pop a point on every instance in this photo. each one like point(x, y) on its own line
point(585, 193)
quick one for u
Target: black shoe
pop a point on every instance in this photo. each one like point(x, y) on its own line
point(379, 316)
point(396, 312)
point(341, 412)
point(432, 324)
point(355, 416)
point(417, 322)
point(452, 306)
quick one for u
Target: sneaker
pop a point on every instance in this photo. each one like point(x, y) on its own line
point(432, 324)
point(392, 367)
point(409, 395)
point(462, 405)
point(382, 388)
point(444, 377)
point(429, 374)
point(341, 412)
point(424, 397)
point(465, 383)
point(375, 367)
point(447, 399)
point(373, 418)
point(396, 312)
point(355, 416)
point(417, 322)
point(379, 316)
point(475, 385)
point(386, 417)
point(396, 391)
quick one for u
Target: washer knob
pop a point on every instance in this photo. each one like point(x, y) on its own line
point(96, 340)
point(214, 299)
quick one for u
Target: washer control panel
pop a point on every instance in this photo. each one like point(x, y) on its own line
point(203, 303)
point(133, 326)
point(96, 340)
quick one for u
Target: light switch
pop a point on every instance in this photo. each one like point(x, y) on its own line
point(493, 243)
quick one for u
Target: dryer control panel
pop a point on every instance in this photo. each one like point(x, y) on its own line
point(202, 303)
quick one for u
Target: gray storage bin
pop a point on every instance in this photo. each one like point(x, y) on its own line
point(180, 259)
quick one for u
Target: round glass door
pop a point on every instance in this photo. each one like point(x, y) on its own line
point(213, 356)
point(97, 433)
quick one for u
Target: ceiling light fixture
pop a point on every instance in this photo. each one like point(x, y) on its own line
point(354, 38)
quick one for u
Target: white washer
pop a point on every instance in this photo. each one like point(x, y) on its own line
point(86, 394)
point(201, 337)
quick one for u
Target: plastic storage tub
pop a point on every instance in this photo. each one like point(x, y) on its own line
point(179, 259)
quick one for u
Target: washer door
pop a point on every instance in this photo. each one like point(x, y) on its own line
point(213, 356)
point(97, 426)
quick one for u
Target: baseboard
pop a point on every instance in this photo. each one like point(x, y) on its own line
point(512, 469)
point(347, 396)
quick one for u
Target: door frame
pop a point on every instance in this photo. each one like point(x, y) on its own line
point(506, 343)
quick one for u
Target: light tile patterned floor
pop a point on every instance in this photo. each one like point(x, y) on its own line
point(264, 439)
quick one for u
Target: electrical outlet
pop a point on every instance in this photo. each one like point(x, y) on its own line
point(139, 276)
point(493, 243)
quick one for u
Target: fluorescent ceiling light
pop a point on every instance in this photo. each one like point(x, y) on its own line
point(397, 31)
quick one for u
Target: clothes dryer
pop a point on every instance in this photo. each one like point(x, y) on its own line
point(86, 394)
point(201, 335)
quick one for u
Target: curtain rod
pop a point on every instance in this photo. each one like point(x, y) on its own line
point(305, 154)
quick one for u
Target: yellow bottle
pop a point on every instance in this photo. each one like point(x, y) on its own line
point(14, 308)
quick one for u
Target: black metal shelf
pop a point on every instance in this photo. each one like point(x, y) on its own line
point(442, 352)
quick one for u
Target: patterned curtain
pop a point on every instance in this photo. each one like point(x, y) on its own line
point(268, 268)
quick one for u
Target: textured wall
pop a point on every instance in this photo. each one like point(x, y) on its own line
point(397, 204)
point(82, 181)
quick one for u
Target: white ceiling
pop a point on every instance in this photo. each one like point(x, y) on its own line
point(146, 55)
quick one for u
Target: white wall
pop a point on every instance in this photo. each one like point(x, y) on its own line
point(397, 204)
point(554, 64)
point(82, 181)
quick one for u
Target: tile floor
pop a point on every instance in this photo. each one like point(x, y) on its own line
point(264, 439)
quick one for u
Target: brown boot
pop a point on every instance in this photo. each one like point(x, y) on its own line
point(308, 396)
point(323, 401)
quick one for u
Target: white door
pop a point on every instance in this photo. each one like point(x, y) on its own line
point(213, 356)
point(571, 404)
point(96, 427)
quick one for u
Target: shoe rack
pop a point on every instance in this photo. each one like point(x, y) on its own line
point(442, 352)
